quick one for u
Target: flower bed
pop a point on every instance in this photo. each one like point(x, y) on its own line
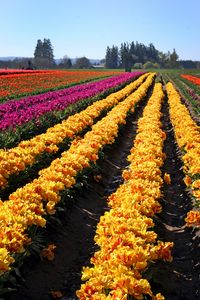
point(4, 72)
point(16, 113)
point(188, 139)
point(29, 205)
point(18, 85)
point(195, 80)
point(126, 244)
point(25, 154)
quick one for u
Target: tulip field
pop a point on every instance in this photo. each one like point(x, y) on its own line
point(99, 185)
point(16, 84)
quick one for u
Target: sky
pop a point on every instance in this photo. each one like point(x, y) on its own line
point(79, 28)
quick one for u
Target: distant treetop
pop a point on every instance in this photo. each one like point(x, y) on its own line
point(132, 54)
point(43, 54)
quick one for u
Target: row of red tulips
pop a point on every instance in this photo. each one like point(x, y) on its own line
point(193, 79)
point(18, 85)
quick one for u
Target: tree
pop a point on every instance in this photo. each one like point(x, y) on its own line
point(174, 60)
point(152, 53)
point(138, 66)
point(38, 53)
point(148, 65)
point(83, 63)
point(48, 50)
point(126, 57)
point(65, 63)
point(156, 65)
point(188, 64)
point(108, 60)
point(132, 53)
point(112, 57)
point(68, 63)
point(43, 54)
point(162, 58)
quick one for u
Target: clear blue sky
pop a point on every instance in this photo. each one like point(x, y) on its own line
point(86, 27)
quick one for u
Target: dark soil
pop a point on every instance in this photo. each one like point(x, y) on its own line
point(178, 280)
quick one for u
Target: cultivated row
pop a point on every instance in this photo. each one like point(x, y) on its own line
point(18, 112)
point(14, 160)
point(29, 205)
point(124, 234)
point(187, 134)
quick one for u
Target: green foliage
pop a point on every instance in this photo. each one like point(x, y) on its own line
point(38, 49)
point(173, 61)
point(132, 53)
point(150, 65)
point(129, 54)
point(187, 64)
point(138, 66)
point(43, 54)
point(112, 57)
point(156, 66)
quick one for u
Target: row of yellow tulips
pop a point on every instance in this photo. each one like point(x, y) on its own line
point(28, 205)
point(126, 244)
point(17, 159)
point(187, 134)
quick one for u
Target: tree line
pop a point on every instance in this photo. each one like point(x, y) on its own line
point(138, 55)
point(127, 56)
point(44, 59)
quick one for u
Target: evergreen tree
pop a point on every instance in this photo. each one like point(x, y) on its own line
point(174, 60)
point(43, 54)
point(68, 63)
point(134, 58)
point(133, 53)
point(153, 53)
point(48, 50)
point(126, 56)
point(188, 64)
point(162, 58)
point(114, 57)
point(38, 53)
point(108, 62)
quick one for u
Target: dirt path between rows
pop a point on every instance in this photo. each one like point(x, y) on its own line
point(178, 280)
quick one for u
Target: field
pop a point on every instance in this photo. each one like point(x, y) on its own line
point(100, 185)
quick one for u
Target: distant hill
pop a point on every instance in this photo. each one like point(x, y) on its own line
point(57, 60)
point(5, 58)
point(73, 60)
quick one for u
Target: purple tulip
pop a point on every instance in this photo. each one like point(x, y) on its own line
point(18, 112)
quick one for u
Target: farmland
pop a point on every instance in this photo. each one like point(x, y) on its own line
point(17, 84)
point(99, 185)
